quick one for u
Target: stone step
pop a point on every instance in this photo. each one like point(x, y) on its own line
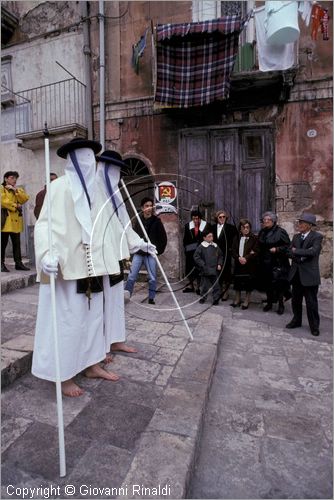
point(14, 280)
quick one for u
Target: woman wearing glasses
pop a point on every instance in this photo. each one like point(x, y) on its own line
point(245, 250)
point(224, 234)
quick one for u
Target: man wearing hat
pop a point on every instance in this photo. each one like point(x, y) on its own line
point(83, 261)
point(305, 273)
point(128, 242)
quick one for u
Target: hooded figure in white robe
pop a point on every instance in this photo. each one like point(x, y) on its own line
point(78, 249)
point(129, 242)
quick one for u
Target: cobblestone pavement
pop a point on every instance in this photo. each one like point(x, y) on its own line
point(140, 432)
point(264, 432)
point(268, 425)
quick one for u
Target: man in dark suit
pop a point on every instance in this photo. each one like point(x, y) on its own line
point(305, 273)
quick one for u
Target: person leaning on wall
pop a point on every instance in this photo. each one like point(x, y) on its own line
point(12, 199)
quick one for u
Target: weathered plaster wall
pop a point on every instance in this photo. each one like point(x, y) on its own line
point(134, 17)
point(304, 152)
point(303, 162)
point(33, 64)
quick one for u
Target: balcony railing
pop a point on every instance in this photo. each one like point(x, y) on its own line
point(59, 104)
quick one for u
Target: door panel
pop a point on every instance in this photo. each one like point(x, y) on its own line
point(251, 189)
point(196, 188)
point(225, 192)
point(197, 150)
point(231, 168)
point(223, 148)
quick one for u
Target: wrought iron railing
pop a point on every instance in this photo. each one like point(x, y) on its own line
point(59, 104)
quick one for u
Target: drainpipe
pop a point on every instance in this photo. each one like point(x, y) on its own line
point(102, 74)
point(87, 53)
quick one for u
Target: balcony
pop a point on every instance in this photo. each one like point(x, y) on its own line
point(62, 105)
point(252, 87)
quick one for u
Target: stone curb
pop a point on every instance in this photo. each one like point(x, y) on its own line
point(167, 451)
point(17, 363)
point(17, 282)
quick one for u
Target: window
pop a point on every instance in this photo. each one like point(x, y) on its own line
point(204, 10)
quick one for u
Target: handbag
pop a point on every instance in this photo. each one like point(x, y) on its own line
point(279, 274)
point(4, 215)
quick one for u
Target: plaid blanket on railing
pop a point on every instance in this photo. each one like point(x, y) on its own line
point(195, 60)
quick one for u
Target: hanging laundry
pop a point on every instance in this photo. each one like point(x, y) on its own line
point(195, 61)
point(137, 51)
point(319, 20)
point(324, 25)
point(281, 23)
point(271, 57)
point(305, 9)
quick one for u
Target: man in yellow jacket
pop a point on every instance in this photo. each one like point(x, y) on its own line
point(12, 199)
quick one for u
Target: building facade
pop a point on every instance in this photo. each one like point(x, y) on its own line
point(267, 146)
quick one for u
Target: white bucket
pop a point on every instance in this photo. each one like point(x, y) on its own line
point(282, 22)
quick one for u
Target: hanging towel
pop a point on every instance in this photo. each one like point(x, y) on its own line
point(305, 9)
point(271, 57)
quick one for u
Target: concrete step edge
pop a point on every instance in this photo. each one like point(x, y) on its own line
point(16, 367)
point(185, 465)
point(17, 282)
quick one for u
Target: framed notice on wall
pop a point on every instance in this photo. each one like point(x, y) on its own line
point(165, 197)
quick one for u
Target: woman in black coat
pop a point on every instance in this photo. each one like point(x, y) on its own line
point(245, 249)
point(273, 261)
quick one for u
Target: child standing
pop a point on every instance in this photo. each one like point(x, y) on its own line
point(209, 259)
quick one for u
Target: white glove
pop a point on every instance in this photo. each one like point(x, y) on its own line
point(50, 266)
point(148, 248)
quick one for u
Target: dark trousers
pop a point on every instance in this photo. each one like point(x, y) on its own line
point(210, 283)
point(311, 299)
point(15, 237)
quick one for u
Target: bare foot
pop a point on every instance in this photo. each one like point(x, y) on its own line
point(96, 371)
point(69, 388)
point(108, 359)
point(121, 346)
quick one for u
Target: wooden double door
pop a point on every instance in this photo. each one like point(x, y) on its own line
point(227, 168)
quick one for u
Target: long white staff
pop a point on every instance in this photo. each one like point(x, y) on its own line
point(156, 257)
point(61, 440)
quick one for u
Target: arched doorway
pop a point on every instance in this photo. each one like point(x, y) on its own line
point(138, 179)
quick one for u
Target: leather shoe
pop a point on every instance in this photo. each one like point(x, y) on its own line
point(21, 267)
point(215, 303)
point(268, 307)
point(4, 269)
point(244, 306)
point(280, 309)
point(315, 332)
point(293, 324)
point(151, 301)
